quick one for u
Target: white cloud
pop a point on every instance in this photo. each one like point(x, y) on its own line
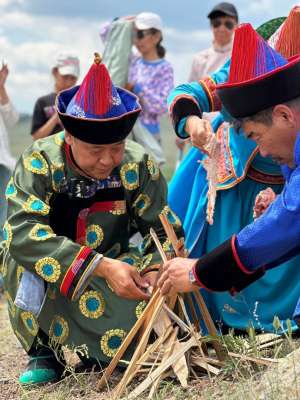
point(194, 36)
point(264, 9)
point(16, 19)
point(5, 4)
point(256, 7)
point(181, 46)
point(30, 44)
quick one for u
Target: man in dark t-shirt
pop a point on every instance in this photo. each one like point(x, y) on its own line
point(45, 120)
point(43, 111)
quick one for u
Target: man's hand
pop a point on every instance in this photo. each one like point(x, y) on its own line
point(262, 201)
point(175, 276)
point(200, 132)
point(123, 279)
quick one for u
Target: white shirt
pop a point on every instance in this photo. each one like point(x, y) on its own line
point(8, 118)
point(209, 60)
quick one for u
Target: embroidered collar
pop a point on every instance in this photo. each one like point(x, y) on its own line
point(85, 188)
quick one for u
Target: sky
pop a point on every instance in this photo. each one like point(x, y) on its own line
point(34, 32)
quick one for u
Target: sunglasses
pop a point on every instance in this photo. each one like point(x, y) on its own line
point(141, 33)
point(216, 23)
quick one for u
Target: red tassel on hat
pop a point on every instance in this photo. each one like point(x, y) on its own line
point(95, 92)
point(242, 67)
point(288, 43)
point(251, 56)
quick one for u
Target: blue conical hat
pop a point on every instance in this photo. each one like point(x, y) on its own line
point(97, 101)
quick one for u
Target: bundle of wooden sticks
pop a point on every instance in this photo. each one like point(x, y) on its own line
point(180, 349)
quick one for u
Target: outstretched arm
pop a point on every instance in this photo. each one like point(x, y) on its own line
point(195, 98)
point(266, 243)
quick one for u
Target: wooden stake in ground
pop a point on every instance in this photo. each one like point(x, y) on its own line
point(181, 252)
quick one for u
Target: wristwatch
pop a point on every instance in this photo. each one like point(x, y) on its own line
point(192, 277)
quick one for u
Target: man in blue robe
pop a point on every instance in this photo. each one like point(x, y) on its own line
point(242, 175)
point(265, 102)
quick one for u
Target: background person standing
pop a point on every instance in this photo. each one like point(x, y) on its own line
point(223, 21)
point(151, 76)
point(45, 120)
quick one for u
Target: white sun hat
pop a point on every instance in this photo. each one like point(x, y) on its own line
point(148, 20)
point(68, 64)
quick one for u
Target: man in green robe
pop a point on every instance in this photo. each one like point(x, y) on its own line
point(75, 199)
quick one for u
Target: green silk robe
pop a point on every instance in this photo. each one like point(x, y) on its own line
point(58, 238)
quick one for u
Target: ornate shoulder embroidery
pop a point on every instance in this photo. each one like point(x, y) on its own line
point(36, 206)
point(36, 163)
point(11, 190)
point(111, 341)
point(141, 204)
point(130, 176)
point(41, 232)
point(48, 268)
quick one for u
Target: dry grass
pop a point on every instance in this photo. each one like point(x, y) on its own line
point(239, 380)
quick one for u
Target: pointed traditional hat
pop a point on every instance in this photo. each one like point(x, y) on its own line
point(259, 77)
point(98, 112)
point(286, 40)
